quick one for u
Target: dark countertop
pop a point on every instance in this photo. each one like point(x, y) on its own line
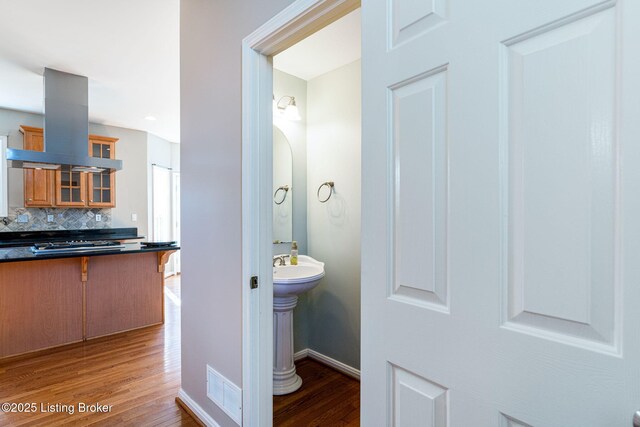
point(24, 253)
point(28, 238)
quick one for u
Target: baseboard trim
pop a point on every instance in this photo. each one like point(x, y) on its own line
point(330, 362)
point(301, 354)
point(195, 410)
point(189, 412)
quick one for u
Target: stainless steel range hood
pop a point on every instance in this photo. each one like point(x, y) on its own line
point(66, 128)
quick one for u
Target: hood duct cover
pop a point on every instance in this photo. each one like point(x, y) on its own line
point(66, 128)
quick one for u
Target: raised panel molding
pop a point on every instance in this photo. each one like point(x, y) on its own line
point(419, 188)
point(560, 181)
point(507, 421)
point(409, 19)
point(416, 401)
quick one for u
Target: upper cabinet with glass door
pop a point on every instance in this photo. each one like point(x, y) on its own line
point(102, 186)
point(84, 189)
point(71, 188)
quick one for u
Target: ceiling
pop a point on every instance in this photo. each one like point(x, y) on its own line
point(332, 47)
point(129, 50)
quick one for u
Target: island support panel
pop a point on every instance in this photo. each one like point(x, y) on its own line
point(123, 295)
point(49, 303)
point(40, 305)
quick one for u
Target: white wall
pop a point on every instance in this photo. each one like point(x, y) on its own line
point(175, 157)
point(211, 34)
point(333, 228)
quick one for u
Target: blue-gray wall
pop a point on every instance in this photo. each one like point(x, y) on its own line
point(333, 228)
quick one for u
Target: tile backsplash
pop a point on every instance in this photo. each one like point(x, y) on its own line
point(63, 219)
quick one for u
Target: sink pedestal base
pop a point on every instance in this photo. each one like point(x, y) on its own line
point(285, 379)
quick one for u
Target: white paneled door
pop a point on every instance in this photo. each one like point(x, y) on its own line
point(501, 213)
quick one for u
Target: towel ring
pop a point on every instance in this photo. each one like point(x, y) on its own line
point(328, 184)
point(284, 188)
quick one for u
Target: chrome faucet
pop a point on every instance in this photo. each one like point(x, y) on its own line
point(281, 259)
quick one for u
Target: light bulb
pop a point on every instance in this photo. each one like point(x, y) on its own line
point(291, 112)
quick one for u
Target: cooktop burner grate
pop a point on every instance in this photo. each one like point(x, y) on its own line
point(76, 246)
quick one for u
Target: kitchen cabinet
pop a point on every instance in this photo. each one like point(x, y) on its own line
point(101, 186)
point(71, 188)
point(65, 187)
point(38, 183)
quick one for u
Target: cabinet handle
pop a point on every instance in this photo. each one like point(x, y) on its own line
point(31, 200)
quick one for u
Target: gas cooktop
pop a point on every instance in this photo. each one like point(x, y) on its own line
point(76, 247)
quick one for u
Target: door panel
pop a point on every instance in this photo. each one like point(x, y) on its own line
point(412, 18)
point(507, 421)
point(500, 218)
point(417, 401)
point(419, 162)
point(562, 182)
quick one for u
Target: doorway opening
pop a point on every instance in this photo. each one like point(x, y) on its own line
point(165, 211)
point(316, 160)
point(165, 225)
point(260, 99)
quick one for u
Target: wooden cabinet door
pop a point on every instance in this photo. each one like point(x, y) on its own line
point(102, 186)
point(38, 183)
point(71, 188)
point(101, 189)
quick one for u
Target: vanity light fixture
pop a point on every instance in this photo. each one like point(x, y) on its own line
point(288, 109)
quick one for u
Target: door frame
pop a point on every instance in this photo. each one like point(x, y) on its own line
point(297, 21)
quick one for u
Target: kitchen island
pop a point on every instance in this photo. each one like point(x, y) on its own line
point(61, 298)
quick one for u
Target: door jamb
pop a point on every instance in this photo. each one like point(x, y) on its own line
point(297, 21)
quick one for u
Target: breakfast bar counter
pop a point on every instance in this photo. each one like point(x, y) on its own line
point(22, 253)
point(56, 299)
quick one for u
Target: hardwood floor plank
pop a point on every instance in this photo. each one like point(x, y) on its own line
point(136, 372)
point(326, 398)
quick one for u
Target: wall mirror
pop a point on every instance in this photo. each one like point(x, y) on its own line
point(282, 188)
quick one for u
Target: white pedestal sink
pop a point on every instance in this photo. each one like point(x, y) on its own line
point(289, 281)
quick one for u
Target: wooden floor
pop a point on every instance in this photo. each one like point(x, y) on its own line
point(137, 373)
point(326, 398)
